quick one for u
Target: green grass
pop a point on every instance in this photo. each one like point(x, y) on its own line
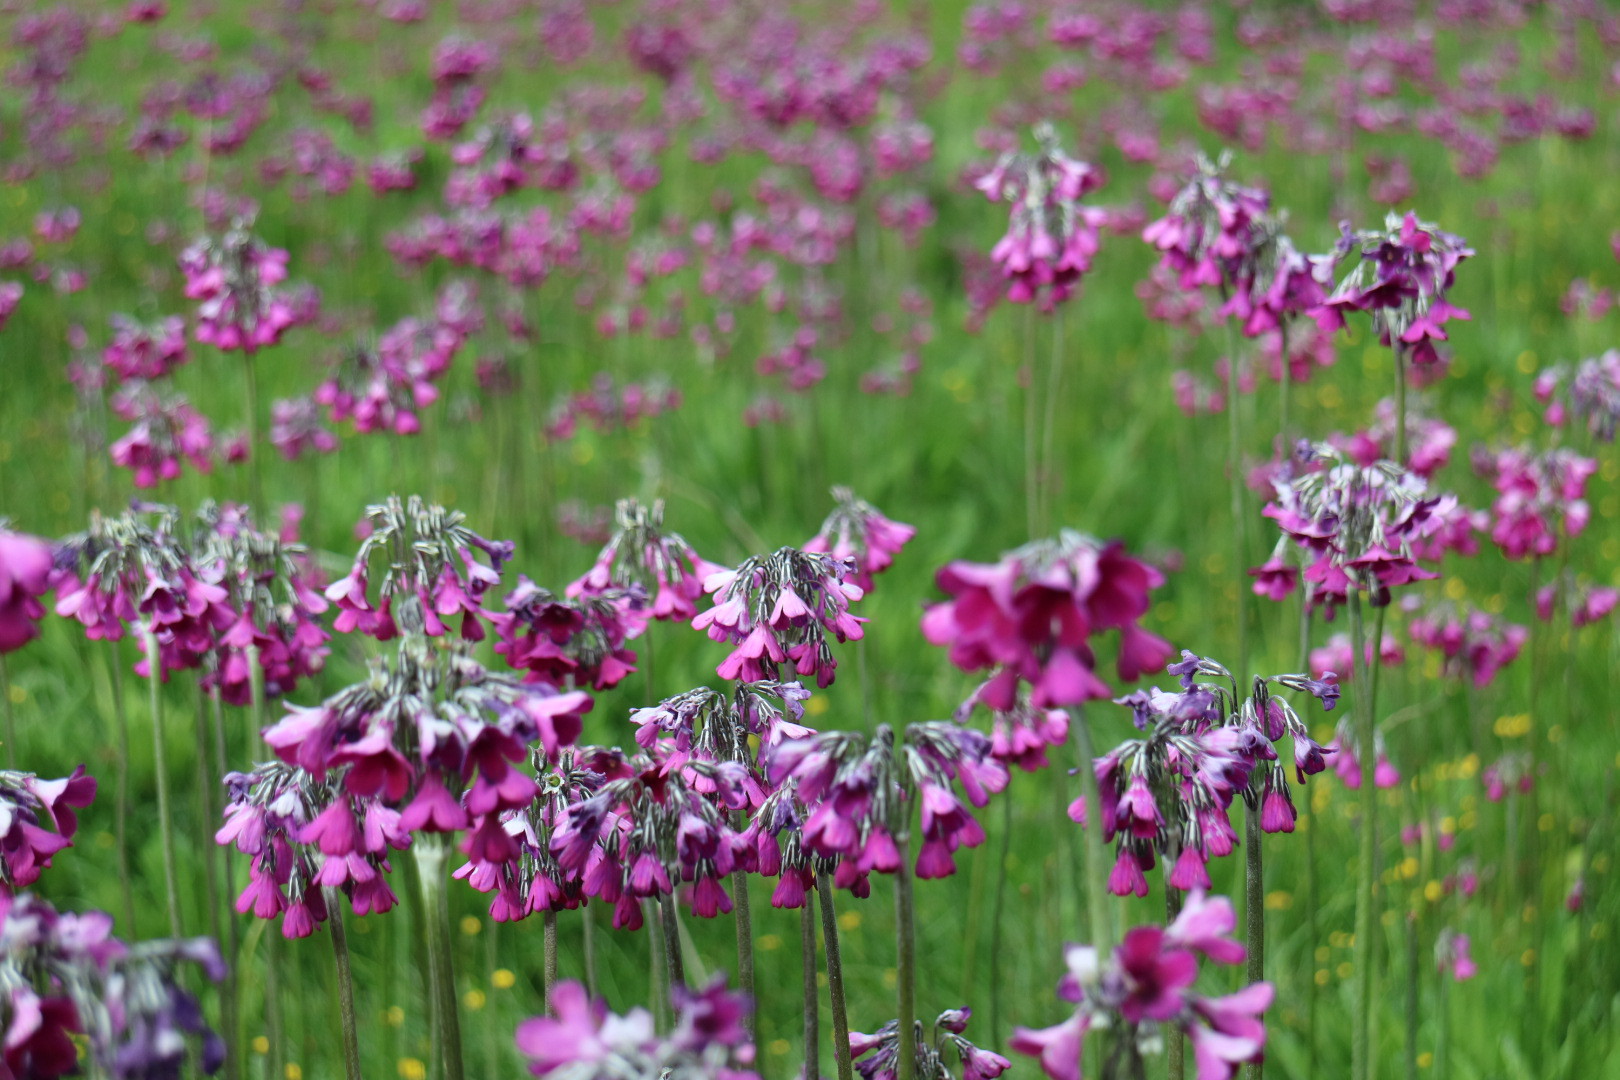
point(948, 458)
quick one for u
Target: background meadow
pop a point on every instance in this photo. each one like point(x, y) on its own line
point(825, 313)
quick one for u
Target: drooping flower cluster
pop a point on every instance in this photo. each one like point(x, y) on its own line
point(1470, 642)
point(235, 277)
point(1032, 616)
point(582, 1040)
point(662, 820)
point(433, 732)
point(1429, 440)
point(68, 983)
point(1168, 793)
point(1021, 734)
point(535, 881)
point(877, 1056)
point(135, 573)
point(1222, 235)
point(27, 804)
point(305, 836)
point(1355, 523)
point(782, 609)
point(433, 573)
point(25, 576)
point(642, 554)
point(578, 642)
point(271, 585)
point(1588, 394)
point(145, 351)
point(1051, 238)
point(167, 431)
point(1144, 986)
point(855, 531)
point(1541, 497)
point(862, 793)
point(1587, 602)
point(1400, 275)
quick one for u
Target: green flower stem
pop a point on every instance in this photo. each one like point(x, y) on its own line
point(812, 996)
point(548, 971)
point(10, 715)
point(121, 782)
point(345, 983)
point(835, 977)
point(1096, 877)
point(160, 761)
point(1361, 1048)
point(431, 851)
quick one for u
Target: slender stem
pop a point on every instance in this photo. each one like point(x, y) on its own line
point(1054, 381)
point(171, 879)
point(835, 977)
point(1254, 909)
point(345, 980)
point(1032, 478)
point(745, 943)
point(210, 855)
point(1234, 465)
point(121, 817)
point(866, 682)
point(1284, 385)
point(906, 965)
point(548, 971)
point(812, 997)
point(1361, 1033)
point(587, 918)
point(10, 716)
point(1411, 994)
point(430, 851)
point(1176, 1048)
point(1442, 1039)
point(997, 909)
point(250, 404)
point(672, 941)
point(233, 981)
point(1096, 877)
point(658, 963)
point(272, 947)
point(1400, 407)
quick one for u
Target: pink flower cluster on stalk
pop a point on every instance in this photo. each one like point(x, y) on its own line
point(782, 609)
point(582, 1040)
point(27, 804)
point(167, 431)
point(76, 996)
point(877, 1056)
point(1401, 275)
point(655, 822)
point(1541, 497)
point(1471, 642)
point(1430, 441)
point(577, 642)
point(644, 555)
point(1031, 617)
point(857, 532)
point(1353, 526)
point(235, 277)
point(1222, 235)
point(1588, 393)
point(25, 575)
point(1145, 985)
point(1051, 238)
point(861, 794)
point(1169, 792)
point(145, 351)
point(1587, 602)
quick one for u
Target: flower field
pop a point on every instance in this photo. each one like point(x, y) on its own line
point(617, 539)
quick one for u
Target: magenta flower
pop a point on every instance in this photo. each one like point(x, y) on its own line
point(877, 1056)
point(25, 576)
point(27, 805)
point(236, 277)
point(662, 564)
point(1032, 616)
point(1541, 495)
point(856, 532)
point(1401, 276)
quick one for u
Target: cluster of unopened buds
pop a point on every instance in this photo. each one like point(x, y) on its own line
point(1143, 987)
